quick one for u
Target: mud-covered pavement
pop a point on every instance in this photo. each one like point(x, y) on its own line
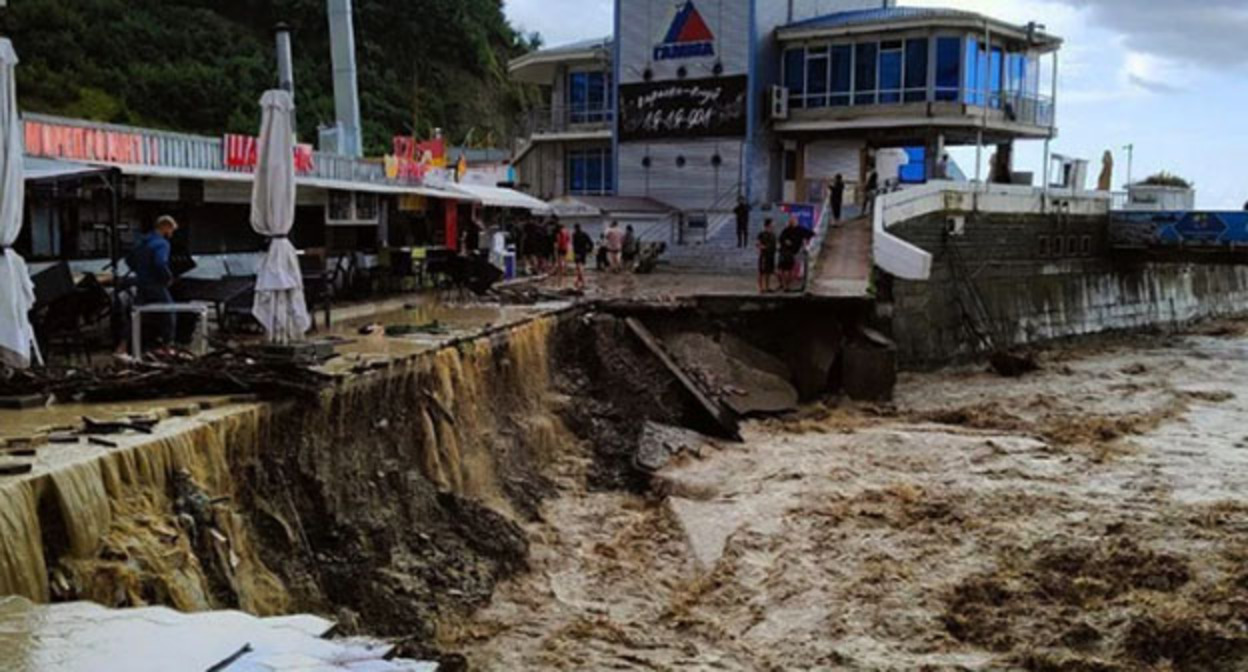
point(1088, 517)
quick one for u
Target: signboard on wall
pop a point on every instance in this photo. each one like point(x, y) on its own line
point(687, 36)
point(242, 153)
point(694, 108)
point(807, 215)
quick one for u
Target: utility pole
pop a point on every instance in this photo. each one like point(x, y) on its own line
point(1130, 149)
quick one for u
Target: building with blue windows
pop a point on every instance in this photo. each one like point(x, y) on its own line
point(693, 103)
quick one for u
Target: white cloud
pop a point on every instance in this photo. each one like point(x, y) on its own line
point(1206, 32)
point(562, 21)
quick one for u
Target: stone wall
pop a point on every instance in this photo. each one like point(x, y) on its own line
point(1037, 278)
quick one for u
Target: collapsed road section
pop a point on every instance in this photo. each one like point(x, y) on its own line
point(387, 488)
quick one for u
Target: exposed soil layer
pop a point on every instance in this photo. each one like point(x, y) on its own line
point(1089, 516)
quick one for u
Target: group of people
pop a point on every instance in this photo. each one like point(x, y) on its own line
point(546, 247)
point(781, 256)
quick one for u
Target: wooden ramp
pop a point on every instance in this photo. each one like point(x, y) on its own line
point(845, 262)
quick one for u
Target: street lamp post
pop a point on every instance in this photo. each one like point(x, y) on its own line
point(1130, 149)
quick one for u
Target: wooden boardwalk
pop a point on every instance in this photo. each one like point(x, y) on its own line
point(845, 262)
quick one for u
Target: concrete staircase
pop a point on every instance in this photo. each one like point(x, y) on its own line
point(844, 265)
point(718, 254)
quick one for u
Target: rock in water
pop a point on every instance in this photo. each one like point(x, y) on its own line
point(659, 444)
point(1012, 365)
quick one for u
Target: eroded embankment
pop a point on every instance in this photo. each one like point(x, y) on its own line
point(393, 501)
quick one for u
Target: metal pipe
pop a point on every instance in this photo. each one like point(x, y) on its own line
point(1048, 157)
point(346, 85)
point(285, 59)
point(983, 121)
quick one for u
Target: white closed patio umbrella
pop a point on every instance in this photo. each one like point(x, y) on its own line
point(17, 292)
point(280, 305)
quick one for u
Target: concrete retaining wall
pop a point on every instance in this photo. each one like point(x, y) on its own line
point(1041, 278)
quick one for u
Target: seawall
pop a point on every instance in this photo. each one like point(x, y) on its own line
point(1021, 280)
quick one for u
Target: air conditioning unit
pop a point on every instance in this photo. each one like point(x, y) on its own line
point(779, 103)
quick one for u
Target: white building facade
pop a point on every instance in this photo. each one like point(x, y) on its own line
point(694, 103)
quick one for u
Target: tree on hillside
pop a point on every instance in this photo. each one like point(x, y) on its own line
point(201, 65)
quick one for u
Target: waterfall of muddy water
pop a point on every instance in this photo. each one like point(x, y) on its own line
point(104, 522)
point(473, 385)
point(22, 567)
point(396, 495)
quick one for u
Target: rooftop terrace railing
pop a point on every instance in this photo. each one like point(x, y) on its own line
point(97, 142)
point(567, 119)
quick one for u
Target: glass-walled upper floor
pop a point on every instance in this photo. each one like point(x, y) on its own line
point(937, 68)
point(590, 97)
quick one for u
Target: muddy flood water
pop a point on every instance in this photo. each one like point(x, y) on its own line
point(1091, 516)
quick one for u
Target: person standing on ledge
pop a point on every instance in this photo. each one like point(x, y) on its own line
point(615, 247)
point(632, 248)
point(582, 247)
point(838, 197)
point(766, 257)
point(870, 192)
point(149, 261)
point(563, 245)
point(742, 212)
point(793, 241)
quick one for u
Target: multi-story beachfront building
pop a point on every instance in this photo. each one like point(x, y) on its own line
point(693, 103)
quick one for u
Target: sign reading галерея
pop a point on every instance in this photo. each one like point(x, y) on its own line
point(692, 108)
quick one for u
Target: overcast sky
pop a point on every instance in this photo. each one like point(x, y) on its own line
point(1169, 76)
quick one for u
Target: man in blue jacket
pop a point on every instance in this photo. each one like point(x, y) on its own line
point(149, 260)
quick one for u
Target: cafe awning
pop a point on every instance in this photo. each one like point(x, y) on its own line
point(301, 182)
point(50, 170)
point(501, 197)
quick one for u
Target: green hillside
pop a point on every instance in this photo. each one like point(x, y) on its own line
point(201, 65)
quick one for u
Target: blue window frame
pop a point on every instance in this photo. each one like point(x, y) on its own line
point(842, 75)
point(948, 68)
point(589, 97)
point(916, 70)
point(865, 84)
point(972, 83)
point(817, 77)
point(865, 73)
point(995, 81)
point(795, 76)
point(892, 58)
point(590, 172)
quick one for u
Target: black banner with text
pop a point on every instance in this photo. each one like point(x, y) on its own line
point(697, 108)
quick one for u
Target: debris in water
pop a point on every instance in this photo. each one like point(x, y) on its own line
point(23, 402)
point(8, 468)
point(222, 372)
point(102, 427)
point(1013, 365)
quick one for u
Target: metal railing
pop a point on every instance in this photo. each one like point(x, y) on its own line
point(567, 119)
point(1026, 109)
point(1023, 108)
point(97, 142)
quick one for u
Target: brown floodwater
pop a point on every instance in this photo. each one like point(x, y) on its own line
point(441, 323)
point(1092, 515)
point(68, 417)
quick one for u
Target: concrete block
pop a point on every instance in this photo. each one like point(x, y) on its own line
point(870, 372)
